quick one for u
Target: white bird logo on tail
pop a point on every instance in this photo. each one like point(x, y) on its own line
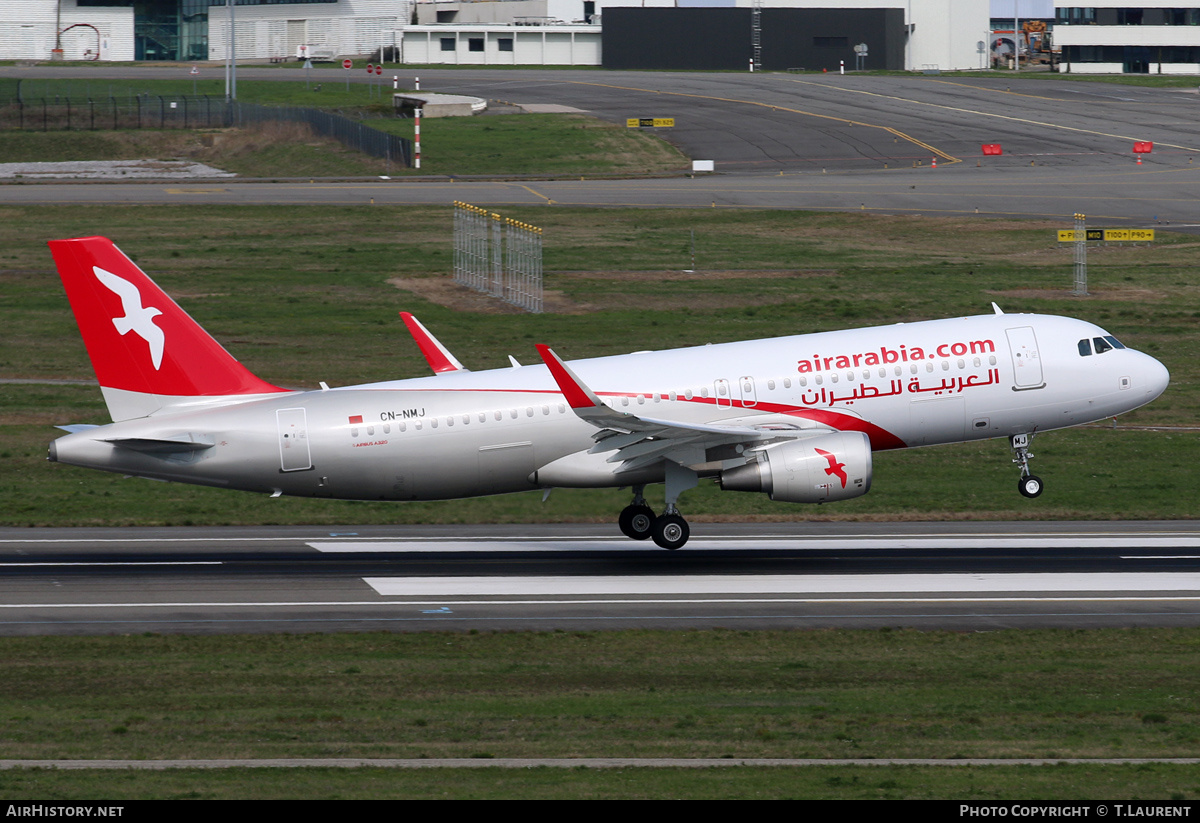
point(137, 318)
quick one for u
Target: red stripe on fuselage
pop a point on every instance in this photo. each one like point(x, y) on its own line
point(881, 439)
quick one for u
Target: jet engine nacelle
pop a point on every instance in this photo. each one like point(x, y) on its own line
point(834, 466)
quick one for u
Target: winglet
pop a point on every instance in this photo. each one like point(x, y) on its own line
point(436, 355)
point(578, 395)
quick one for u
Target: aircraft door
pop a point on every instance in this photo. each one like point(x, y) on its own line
point(1027, 365)
point(723, 392)
point(749, 396)
point(292, 426)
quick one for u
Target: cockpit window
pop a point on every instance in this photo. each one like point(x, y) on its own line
point(1101, 344)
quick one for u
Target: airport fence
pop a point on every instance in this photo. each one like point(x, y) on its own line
point(147, 111)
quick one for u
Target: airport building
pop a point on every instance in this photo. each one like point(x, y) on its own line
point(1116, 38)
point(193, 30)
point(797, 34)
point(634, 34)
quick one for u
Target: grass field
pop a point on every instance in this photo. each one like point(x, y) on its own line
point(724, 694)
point(335, 278)
point(980, 784)
point(326, 89)
point(500, 144)
point(511, 144)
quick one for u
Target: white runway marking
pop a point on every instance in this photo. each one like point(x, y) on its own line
point(224, 606)
point(117, 563)
point(793, 543)
point(726, 584)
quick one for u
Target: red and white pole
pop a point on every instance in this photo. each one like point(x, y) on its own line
point(417, 140)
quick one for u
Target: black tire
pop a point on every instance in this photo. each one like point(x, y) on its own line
point(671, 531)
point(1030, 486)
point(636, 522)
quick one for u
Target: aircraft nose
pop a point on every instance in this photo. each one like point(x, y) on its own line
point(1154, 376)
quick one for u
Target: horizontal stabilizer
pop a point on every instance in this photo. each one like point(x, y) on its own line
point(186, 442)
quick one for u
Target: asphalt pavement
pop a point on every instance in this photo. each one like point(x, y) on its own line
point(783, 141)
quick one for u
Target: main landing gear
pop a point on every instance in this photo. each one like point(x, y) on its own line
point(668, 530)
point(637, 519)
point(1029, 485)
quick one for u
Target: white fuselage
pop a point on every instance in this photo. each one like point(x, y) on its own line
point(464, 433)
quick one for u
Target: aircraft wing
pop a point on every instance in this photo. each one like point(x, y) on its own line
point(638, 441)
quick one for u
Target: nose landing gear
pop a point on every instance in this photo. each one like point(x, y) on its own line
point(1028, 485)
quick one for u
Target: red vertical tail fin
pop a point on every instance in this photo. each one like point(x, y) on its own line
point(147, 352)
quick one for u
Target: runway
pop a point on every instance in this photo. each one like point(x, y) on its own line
point(932, 576)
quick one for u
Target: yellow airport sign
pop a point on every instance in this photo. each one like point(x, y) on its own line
point(1110, 235)
point(650, 122)
point(1129, 235)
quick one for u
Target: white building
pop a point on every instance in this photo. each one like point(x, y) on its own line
point(937, 33)
point(1116, 38)
point(27, 31)
point(941, 33)
point(507, 12)
point(501, 45)
point(188, 30)
point(277, 30)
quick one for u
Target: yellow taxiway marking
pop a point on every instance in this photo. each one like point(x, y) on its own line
point(537, 193)
point(196, 191)
point(1006, 91)
point(776, 107)
point(1008, 117)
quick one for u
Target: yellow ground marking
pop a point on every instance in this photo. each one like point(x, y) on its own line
point(536, 193)
point(1006, 91)
point(776, 107)
point(1009, 117)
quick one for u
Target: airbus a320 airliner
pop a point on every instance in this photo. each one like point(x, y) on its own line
point(796, 418)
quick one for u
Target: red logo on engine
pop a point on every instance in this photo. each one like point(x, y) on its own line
point(835, 469)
